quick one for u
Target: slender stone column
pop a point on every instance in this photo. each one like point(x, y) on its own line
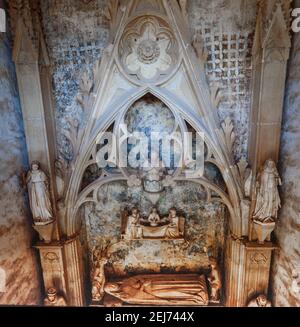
point(270, 55)
point(74, 272)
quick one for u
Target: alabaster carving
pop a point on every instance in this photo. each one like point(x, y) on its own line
point(160, 290)
point(53, 299)
point(173, 227)
point(133, 228)
point(215, 281)
point(258, 258)
point(260, 302)
point(148, 48)
point(99, 260)
point(154, 218)
point(267, 200)
point(154, 226)
point(39, 196)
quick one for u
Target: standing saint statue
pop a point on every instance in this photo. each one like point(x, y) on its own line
point(39, 196)
point(215, 281)
point(268, 200)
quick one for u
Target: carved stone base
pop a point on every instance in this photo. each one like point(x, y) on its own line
point(52, 261)
point(45, 231)
point(247, 270)
point(263, 230)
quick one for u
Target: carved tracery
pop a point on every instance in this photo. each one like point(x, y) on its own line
point(148, 50)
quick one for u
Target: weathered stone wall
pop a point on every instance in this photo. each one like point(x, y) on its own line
point(227, 28)
point(287, 260)
point(17, 258)
point(76, 33)
point(205, 229)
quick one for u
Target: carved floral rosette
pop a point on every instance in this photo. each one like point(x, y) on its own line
point(148, 50)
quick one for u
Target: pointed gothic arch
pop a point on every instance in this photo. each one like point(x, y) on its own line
point(197, 108)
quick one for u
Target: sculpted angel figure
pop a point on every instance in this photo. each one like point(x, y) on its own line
point(268, 200)
point(214, 279)
point(39, 196)
point(133, 229)
point(173, 228)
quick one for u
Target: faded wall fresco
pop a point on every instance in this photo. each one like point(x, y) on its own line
point(286, 263)
point(17, 259)
point(205, 227)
